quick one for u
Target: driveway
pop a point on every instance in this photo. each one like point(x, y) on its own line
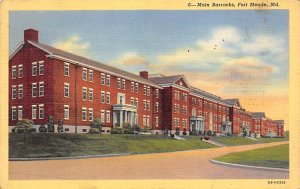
point(193, 164)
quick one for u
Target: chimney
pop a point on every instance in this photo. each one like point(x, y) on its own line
point(144, 74)
point(32, 35)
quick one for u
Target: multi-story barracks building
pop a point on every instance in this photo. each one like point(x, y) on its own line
point(45, 81)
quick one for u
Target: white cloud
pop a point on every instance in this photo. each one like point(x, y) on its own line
point(73, 44)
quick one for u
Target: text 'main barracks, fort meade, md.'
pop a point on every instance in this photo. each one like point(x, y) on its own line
point(46, 81)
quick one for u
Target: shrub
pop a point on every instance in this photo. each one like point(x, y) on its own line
point(97, 124)
point(93, 130)
point(177, 132)
point(43, 128)
point(146, 129)
point(24, 126)
point(209, 132)
point(214, 133)
point(117, 130)
point(60, 127)
point(172, 135)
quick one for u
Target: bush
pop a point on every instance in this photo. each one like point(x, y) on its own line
point(43, 129)
point(60, 127)
point(209, 132)
point(146, 129)
point(117, 130)
point(177, 132)
point(172, 135)
point(24, 126)
point(97, 124)
point(214, 133)
point(93, 130)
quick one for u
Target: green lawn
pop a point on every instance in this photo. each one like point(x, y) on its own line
point(53, 145)
point(277, 156)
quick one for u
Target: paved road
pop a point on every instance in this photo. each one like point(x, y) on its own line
point(193, 164)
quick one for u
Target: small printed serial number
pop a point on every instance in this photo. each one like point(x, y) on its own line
point(276, 182)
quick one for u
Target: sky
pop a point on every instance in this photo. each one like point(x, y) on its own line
point(232, 54)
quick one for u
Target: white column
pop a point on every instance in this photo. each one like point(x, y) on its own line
point(114, 118)
point(121, 118)
point(126, 118)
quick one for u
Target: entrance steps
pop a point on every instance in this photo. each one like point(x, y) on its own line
point(214, 143)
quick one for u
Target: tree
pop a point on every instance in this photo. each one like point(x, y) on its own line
point(96, 124)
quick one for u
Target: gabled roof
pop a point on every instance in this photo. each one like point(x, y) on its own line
point(206, 94)
point(233, 102)
point(57, 53)
point(258, 115)
point(169, 79)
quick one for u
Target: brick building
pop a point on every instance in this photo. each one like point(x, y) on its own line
point(45, 81)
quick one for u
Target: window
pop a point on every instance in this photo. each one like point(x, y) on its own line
point(145, 90)
point(91, 112)
point(136, 87)
point(193, 101)
point(34, 89)
point(148, 91)
point(176, 93)
point(34, 69)
point(157, 93)
point(107, 116)
point(13, 113)
point(145, 104)
point(20, 112)
point(67, 90)
point(20, 89)
point(156, 121)
point(144, 120)
point(41, 111)
point(132, 86)
point(90, 94)
point(121, 98)
point(102, 97)
point(67, 69)
point(84, 93)
point(108, 80)
point(20, 72)
point(102, 116)
point(107, 97)
point(132, 101)
point(148, 121)
point(33, 112)
point(14, 72)
point(119, 83)
point(193, 112)
point(148, 105)
point(41, 88)
point(84, 74)
point(83, 113)
point(13, 92)
point(66, 112)
point(123, 84)
point(91, 75)
point(41, 67)
point(102, 79)
point(137, 102)
point(156, 106)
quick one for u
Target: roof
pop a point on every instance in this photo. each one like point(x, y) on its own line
point(258, 115)
point(279, 121)
point(206, 94)
point(231, 102)
point(92, 63)
point(165, 79)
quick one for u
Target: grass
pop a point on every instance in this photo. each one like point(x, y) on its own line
point(64, 145)
point(277, 156)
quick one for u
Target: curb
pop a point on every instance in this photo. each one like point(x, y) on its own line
point(62, 158)
point(249, 166)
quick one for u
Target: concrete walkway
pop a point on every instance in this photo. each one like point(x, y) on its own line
point(193, 164)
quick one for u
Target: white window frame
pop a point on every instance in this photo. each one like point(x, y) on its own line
point(41, 89)
point(132, 101)
point(20, 112)
point(14, 114)
point(119, 83)
point(34, 90)
point(20, 70)
point(136, 87)
point(90, 75)
point(20, 88)
point(123, 84)
point(156, 121)
point(107, 116)
point(67, 89)
point(148, 121)
point(148, 105)
point(123, 98)
point(148, 91)
point(84, 93)
point(157, 93)
point(84, 74)
point(84, 114)
point(102, 116)
point(14, 72)
point(34, 71)
point(145, 90)
point(156, 106)
point(66, 109)
point(144, 105)
point(137, 102)
point(91, 94)
point(144, 120)
point(41, 65)
point(107, 80)
point(91, 114)
point(41, 111)
point(33, 111)
point(102, 97)
point(13, 92)
point(67, 69)
point(107, 97)
point(102, 79)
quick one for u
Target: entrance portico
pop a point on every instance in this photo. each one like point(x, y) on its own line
point(124, 113)
point(196, 124)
